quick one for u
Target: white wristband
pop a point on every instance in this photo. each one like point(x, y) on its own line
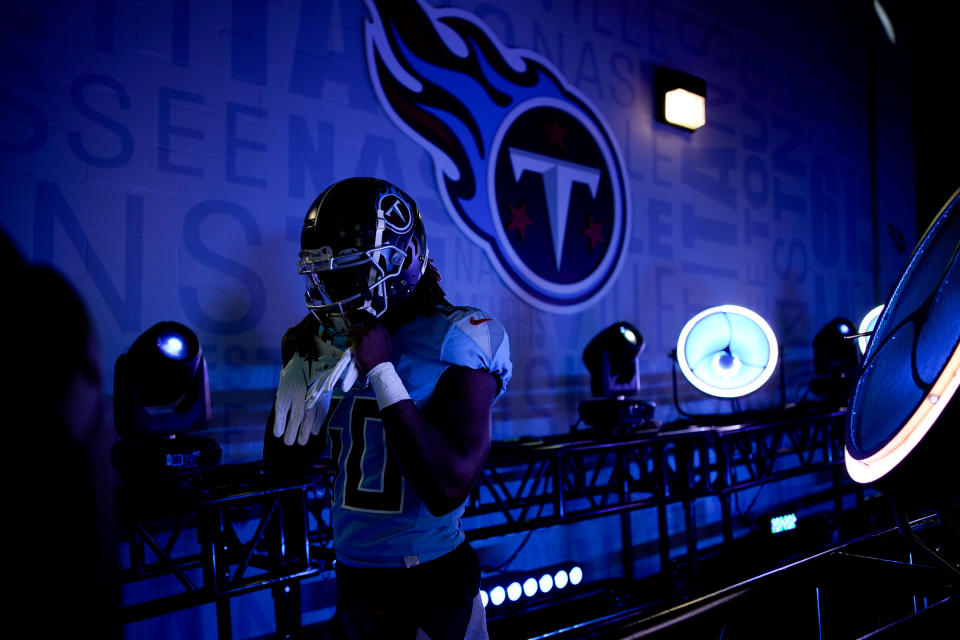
point(387, 385)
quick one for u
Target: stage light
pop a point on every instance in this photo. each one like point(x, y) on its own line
point(835, 361)
point(867, 325)
point(681, 99)
point(546, 582)
point(560, 579)
point(901, 435)
point(530, 587)
point(576, 575)
point(514, 591)
point(497, 596)
point(611, 358)
point(727, 351)
point(484, 598)
point(161, 392)
point(172, 345)
point(897, 435)
point(160, 384)
point(833, 353)
point(787, 522)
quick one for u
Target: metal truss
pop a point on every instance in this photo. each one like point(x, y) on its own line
point(870, 586)
point(541, 484)
point(220, 541)
point(252, 536)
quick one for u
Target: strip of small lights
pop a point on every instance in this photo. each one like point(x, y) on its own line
point(532, 586)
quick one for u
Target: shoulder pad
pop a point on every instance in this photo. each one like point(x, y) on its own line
point(479, 341)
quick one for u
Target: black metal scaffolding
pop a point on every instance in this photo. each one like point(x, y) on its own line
point(525, 485)
point(202, 541)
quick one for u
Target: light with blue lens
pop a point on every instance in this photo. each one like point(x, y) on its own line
point(727, 351)
point(172, 345)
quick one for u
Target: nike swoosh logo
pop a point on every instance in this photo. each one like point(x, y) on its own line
point(476, 322)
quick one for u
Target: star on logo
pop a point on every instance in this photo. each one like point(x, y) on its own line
point(556, 133)
point(519, 220)
point(594, 232)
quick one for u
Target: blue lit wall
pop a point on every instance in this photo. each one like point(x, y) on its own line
point(162, 154)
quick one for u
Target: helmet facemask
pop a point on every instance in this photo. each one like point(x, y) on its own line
point(357, 281)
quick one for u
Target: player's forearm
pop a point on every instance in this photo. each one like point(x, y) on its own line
point(442, 471)
point(441, 448)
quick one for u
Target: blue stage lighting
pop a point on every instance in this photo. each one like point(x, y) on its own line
point(514, 591)
point(576, 575)
point(530, 587)
point(172, 345)
point(560, 579)
point(546, 582)
point(727, 351)
point(611, 359)
point(161, 385)
point(867, 325)
point(911, 371)
point(497, 596)
point(161, 392)
point(835, 361)
point(484, 598)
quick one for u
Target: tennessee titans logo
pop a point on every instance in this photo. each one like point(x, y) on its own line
point(395, 213)
point(525, 165)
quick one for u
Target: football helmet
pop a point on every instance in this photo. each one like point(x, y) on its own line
point(362, 245)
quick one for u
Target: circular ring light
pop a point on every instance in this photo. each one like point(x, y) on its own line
point(910, 373)
point(727, 351)
point(868, 324)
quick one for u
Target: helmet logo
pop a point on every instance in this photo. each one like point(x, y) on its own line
point(395, 213)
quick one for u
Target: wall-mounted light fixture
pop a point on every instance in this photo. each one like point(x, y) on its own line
point(681, 99)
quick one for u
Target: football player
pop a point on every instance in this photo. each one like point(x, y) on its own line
point(403, 384)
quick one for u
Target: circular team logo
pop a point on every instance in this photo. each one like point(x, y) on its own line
point(395, 213)
point(558, 194)
point(526, 166)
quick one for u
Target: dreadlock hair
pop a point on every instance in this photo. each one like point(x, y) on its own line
point(423, 300)
point(428, 293)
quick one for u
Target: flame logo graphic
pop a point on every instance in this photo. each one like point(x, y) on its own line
point(525, 165)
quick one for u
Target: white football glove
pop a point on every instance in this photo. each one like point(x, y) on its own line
point(305, 390)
